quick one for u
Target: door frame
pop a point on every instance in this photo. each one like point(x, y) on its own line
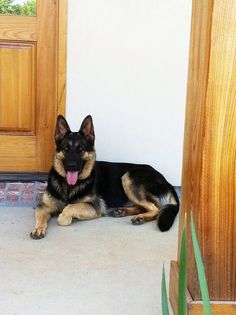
point(62, 56)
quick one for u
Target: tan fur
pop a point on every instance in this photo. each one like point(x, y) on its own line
point(43, 214)
point(90, 158)
point(50, 203)
point(81, 211)
point(171, 199)
point(148, 216)
point(140, 201)
point(58, 163)
point(132, 210)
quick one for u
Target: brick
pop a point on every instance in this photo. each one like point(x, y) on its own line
point(2, 195)
point(14, 187)
point(3, 186)
point(28, 187)
point(12, 196)
point(28, 197)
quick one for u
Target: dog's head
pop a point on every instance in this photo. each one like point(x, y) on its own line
point(75, 154)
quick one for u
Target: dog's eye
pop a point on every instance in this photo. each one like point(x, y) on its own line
point(80, 149)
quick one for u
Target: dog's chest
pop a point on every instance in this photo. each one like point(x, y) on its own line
point(70, 194)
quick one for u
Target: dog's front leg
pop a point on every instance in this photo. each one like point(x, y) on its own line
point(42, 216)
point(81, 211)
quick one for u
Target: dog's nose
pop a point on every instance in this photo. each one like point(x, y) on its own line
point(72, 164)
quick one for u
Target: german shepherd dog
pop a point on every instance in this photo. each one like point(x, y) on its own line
point(81, 187)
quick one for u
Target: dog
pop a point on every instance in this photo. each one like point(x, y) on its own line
point(81, 187)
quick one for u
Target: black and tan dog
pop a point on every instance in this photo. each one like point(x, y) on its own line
point(79, 187)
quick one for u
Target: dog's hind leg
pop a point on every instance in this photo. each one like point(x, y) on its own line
point(137, 196)
point(81, 211)
point(151, 214)
point(125, 211)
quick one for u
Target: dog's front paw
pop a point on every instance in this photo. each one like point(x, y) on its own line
point(137, 220)
point(38, 233)
point(117, 212)
point(64, 219)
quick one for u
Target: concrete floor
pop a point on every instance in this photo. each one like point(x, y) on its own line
point(104, 267)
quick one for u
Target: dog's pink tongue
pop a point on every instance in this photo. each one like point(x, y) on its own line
point(72, 178)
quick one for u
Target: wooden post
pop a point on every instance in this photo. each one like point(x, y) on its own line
point(209, 162)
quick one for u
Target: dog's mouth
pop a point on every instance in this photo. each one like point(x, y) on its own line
point(72, 177)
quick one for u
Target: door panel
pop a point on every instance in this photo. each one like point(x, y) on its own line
point(17, 110)
point(29, 76)
point(22, 155)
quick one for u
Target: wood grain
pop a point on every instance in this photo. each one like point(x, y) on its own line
point(218, 308)
point(199, 59)
point(62, 55)
point(18, 28)
point(47, 59)
point(209, 172)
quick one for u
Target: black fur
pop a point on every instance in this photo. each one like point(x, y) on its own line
point(59, 189)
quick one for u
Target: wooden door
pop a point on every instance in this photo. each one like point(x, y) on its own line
point(32, 85)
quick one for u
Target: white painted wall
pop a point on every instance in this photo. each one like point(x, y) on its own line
point(127, 67)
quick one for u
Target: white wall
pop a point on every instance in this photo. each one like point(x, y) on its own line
point(127, 67)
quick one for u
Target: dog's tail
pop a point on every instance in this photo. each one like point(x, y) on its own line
point(168, 213)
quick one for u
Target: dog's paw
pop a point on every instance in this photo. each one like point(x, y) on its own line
point(117, 212)
point(137, 220)
point(64, 220)
point(38, 233)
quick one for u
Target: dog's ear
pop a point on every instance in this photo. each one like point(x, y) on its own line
point(61, 129)
point(87, 129)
